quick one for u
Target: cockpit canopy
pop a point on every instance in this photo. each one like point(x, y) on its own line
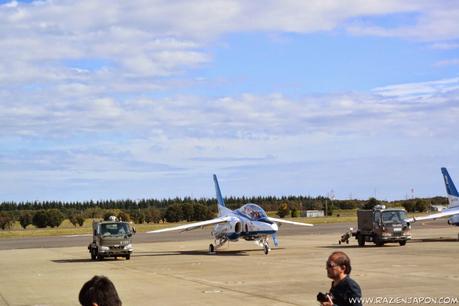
point(253, 211)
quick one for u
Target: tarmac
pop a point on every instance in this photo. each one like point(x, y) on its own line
point(183, 273)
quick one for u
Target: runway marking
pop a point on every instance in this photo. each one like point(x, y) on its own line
point(82, 235)
point(4, 300)
point(212, 291)
point(216, 285)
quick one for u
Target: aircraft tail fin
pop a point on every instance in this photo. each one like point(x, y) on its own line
point(453, 195)
point(220, 201)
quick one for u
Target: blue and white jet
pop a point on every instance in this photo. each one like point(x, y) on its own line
point(249, 222)
point(452, 211)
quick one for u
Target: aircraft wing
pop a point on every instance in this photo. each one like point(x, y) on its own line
point(288, 222)
point(192, 226)
point(445, 213)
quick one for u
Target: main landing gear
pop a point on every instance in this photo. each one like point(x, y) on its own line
point(266, 249)
point(264, 243)
point(213, 248)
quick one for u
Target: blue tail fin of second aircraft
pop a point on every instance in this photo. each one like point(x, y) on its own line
point(220, 201)
point(450, 188)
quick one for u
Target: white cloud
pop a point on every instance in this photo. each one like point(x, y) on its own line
point(111, 140)
point(448, 62)
point(77, 80)
point(445, 46)
point(144, 33)
point(141, 42)
point(433, 21)
point(419, 90)
point(73, 109)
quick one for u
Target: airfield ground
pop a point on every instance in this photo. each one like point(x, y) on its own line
point(181, 272)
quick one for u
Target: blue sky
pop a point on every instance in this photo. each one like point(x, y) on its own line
point(149, 99)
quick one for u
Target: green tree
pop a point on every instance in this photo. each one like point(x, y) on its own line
point(294, 213)
point(153, 215)
point(409, 205)
point(55, 217)
point(80, 219)
point(174, 213)
point(124, 216)
point(73, 219)
point(6, 220)
point(200, 212)
point(94, 212)
point(40, 219)
point(283, 210)
point(372, 202)
point(421, 205)
point(25, 219)
point(187, 210)
point(138, 216)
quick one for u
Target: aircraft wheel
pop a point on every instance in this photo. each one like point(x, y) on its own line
point(211, 249)
point(128, 256)
point(266, 249)
point(402, 243)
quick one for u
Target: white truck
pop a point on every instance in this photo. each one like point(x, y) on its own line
point(380, 225)
point(111, 238)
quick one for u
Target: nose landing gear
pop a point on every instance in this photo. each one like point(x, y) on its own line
point(266, 249)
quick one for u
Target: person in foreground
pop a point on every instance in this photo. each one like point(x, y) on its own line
point(99, 291)
point(344, 290)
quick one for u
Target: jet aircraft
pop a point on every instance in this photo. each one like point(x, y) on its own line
point(249, 222)
point(452, 211)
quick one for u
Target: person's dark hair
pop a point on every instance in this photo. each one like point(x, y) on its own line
point(99, 290)
point(341, 259)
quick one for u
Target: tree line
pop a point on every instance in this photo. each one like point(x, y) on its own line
point(53, 213)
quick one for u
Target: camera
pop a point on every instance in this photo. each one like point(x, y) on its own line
point(322, 297)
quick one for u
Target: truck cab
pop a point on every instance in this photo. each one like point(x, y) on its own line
point(111, 238)
point(381, 225)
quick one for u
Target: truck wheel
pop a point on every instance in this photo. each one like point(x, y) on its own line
point(128, 256)
point(402, 243)
point(100, 257)
point(361, 240)
point(378, 241)
point(93, 254)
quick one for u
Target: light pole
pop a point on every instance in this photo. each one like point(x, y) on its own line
point(331, 196)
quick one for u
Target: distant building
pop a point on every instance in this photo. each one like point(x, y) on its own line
point(437, 207)
point(313, 213)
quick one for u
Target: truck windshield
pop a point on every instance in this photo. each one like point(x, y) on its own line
point(395, 216)
point(114, 229)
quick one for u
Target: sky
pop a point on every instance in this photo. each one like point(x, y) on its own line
point(147, 99)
